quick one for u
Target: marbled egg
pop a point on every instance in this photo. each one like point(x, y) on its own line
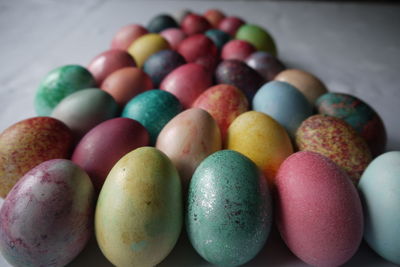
point(139, 213)
point(230, 25)
point(258, 37)
point(229, 209)
point(126, 35)
point(265, 64)
point(145, 46)
point(337, 140)
point(194, 23)
point(29, 143)
point(219, 37)
point(358, 114)
point(161, 22)
point(47, 218)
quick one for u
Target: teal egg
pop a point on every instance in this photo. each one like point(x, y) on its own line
point(153, 109)
point(358, 114)
point(379, 189)
point(229, 209)
point(60, 83)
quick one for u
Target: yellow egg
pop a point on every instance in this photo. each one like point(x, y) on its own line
point(262, 139)
point(139, 211)
point(145, 46)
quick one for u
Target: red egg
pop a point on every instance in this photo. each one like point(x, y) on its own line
point(230, 25)
point(193, 23)
point(126, 35)
point(319, 212)
point(214, 17)
point(109, 61)
point(174, 36)
point(187, 82)
point(237, 49)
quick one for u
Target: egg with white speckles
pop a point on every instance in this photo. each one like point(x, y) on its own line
point(229, 209)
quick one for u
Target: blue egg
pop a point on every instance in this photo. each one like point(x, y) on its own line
point(218, 37)
point(379, 189)
point(284, 103)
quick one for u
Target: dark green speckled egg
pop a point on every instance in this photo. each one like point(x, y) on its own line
point(229, 210)
point(358, 114)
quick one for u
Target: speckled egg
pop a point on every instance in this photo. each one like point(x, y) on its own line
point(265, 64)
point(262, 139)
point(189, 138)
point(161, 22)
point(258, 37)
point(126, 35)
point(29, 143)
point(229, 209)
point(153, 109)
point(139, 213)
point(337, 140)
point(284, 103)
point(60, 83)
point(47, 218)
point(219, 37)
point(358, 114)
point(379, 189)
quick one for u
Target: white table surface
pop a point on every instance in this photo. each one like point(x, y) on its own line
point(352, 47)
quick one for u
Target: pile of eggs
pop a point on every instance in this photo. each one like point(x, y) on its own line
point(194, 121)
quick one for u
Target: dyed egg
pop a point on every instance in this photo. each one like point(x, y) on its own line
point(258, 37)
point(358, 114)
point(60, 83)
point(85, 109)
point(161, 22)
point(193, 24)
point(160, 64)
point(187, 139)
point(218, 37)
point(174, 36)
point(237, 49)
point(262, 139)
point(153, 109)
point(265, 64)
point(224, 103)
point(28, 143)
point(126, 83)
point(47, 218)
point(337, 140)
point(139, 211)
point(284, 103)
point(187, 82)
point(379, 190)
point(145, 46)
point(305, 82)
point(230, 25)
point(126, 35)
point(108, 62)
point(229, 209)
point(105, 144)
point(214, 17)
point(238, 74)
point(319, 212)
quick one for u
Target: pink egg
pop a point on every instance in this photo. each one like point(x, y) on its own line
point(237, 49)
point(319, 211)
point(126, 35)
point(230, 25)
point(193, 23)
point(174, 36)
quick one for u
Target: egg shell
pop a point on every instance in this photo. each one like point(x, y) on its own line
point(160, 64)
point(219, 37)
point(194, 23)
point(229, 209)
point(379, 190)
point(237, 49)
point(224, 103)
point(58, 84)
point(145, 46)
point(199, 49)
point(265, 64)
point(238, 74)
point(258, 37)
point(153, 109)
point(101, 148)
point(187, 139)
point(109, 61)
point(319, 212)
point(83, 110)
point(139, 212)
point(126, 35)
point(174, 36)
point(262, 139)
point(214, 17)
point(305, 82)
point(161, 22)
point(230, 25)
point(359, 115)
point(126, 83)
point(47, 218)
point(337, 140)
point(284, 103)
point(29, 143)
point(187, 82)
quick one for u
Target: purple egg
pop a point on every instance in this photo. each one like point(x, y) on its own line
point(265, 64)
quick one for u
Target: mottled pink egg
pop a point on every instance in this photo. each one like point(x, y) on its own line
point(193, 23)
point(174, 36)
point(230, 25)
point(126, 35)
point(237, 49)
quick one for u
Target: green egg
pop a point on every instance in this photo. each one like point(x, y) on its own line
point(60, 83)
point(229, 210)
point(258, 37)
